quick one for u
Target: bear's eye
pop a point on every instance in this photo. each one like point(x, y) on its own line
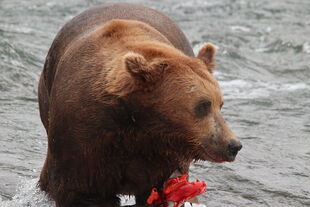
point(202, 108)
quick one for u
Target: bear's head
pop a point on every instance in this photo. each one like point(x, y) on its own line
point(177, 97)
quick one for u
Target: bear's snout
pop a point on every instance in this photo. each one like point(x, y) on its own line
point(234, 147)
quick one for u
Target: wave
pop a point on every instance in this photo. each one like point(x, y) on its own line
point(284, 46)
point(242, 89)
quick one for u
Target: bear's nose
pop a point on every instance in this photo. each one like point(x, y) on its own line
point(234, 147)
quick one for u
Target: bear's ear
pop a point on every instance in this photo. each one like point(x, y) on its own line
point(207, 55)
point(140, 69)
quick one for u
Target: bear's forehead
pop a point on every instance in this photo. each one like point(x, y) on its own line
point(194, 80)
point(195, 71)
point(204, 84)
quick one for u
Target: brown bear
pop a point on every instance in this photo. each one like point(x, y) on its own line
point(125, 104)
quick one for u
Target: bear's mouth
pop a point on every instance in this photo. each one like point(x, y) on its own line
point(207, 155)
point(214, 158)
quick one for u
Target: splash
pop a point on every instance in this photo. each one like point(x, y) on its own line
point(28, 195)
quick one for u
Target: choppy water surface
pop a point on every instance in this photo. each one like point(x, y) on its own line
point(263, 69)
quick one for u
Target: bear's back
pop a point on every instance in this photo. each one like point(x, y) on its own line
point(91, 18)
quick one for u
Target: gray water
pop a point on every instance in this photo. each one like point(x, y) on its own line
point(263, 69)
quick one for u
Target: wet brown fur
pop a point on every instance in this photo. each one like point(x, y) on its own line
point(117, 104)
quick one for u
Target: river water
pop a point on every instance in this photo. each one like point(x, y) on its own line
point(263, 69)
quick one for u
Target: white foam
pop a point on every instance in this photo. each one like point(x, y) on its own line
point(28, 195)
point(236, 89)
point(193, 3)
point(127, 200)
point(294, 87)
point(239, 89)
point(268, 29)
point(262, 49)
point(240, 28)
point(306, 47)
point(187, 204)
point(198, 205)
